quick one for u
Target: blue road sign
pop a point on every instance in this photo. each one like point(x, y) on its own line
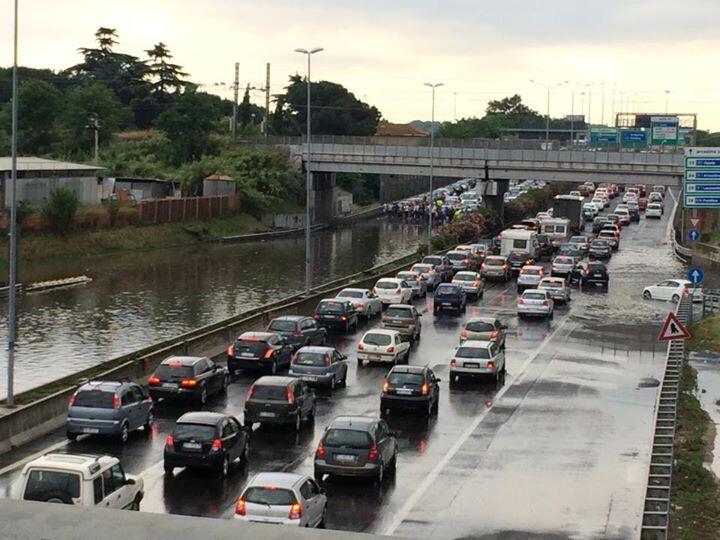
point(694, 235)
point(700, 163)
point(695, 275)
point(694, 201)
point(692, 187)
point(634, 136)
point(708, 174)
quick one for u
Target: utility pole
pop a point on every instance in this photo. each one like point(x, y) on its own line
point(572, 117)
point(602, 106)
point(547, 117)
point(236, 87)
point(10, 399)
point(95, 126)
point(667, 100)
point(455, 107)
point(432, 163)
point(267, 99)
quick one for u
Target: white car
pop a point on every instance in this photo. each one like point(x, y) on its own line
point(383, 346)
point(592, 209)
point(393, 291)
point(557, 287)
point(471, 282)
point(367, 304)
point(282, 499)
point(477, 359)
point(82, 480)
point(537, 303)
point(653, 210)
point(427, 271)
point(671, 289)
point(624, 215)
point(529, 277)
point(629, 196)
point(416, 281)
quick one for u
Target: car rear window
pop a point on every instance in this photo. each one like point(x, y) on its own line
point(269, 393)
point(377, 339)
point(198, 432)
point(310, 359)
point(254, 347)
point(433, 260)
point(479, 326)
point(599, 243)
point(349, 294)
point(330, 307)
point(563, 260)
point(348, 438)
point(422, 268)
point(386, 285)
point(458, 256)
point(170, 371)
point(443, 290)
point(282, 326)
point(494, 262)
point(550, 285)
point(398, 312)
point(43, 484)
point(415, 379)
point(465, 276)
point(472, 352)
point(532, 271)
point(269, 495)
point(597, 267)
point(534, 296)
point(95, 399)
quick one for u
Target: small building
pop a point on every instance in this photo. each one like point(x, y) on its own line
point(38, 177)
point(143, 188)
point(217, 185)
point(388, 129)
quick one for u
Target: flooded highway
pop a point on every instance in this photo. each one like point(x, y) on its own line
point(136, 299)
point(559, 450)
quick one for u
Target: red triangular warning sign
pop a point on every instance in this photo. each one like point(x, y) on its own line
point(673, 329)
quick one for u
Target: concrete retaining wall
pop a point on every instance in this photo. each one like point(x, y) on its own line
point(706, 256)
point(18, 426)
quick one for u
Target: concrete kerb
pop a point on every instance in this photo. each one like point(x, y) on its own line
point(18, 426)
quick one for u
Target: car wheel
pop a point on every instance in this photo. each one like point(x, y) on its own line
point(552, 314)
point(71, 436)
point(360, 363)
point(298, 422)
point(273, 367)
point(224, 387)
point(124, 433)
point(406, 359)
point(343, 383)
point(381, 474)
point(436, 405)
point(246, 453)
point(311, 414)
point(332, 383)
point(347, 326)
point(203, 396)
point(135, 506)
point(647, 295)
point(321, 525)
point(149, 421)
point(168, 468)
point(429, 410)
point(224, 467)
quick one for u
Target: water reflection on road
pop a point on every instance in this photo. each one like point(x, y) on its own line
point(136, 299)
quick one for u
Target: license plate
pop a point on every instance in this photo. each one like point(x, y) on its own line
point(90, 430)
point(247, 355)
point(404, 391)
point(309, 378)
point(192, 446)
point(471, 365)
point(447, 304)
point(374, 356)
point(266, 414)
point(597, 275)
point(345, 458)
point(170, 385)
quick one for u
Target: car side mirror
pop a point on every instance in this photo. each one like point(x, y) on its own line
point(129, 481)
point(438, 379)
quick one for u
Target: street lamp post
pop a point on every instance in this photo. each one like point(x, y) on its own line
point(572, 118)
point(308, 176)
point(547, 117)
point(432, 162)
point(667, 101)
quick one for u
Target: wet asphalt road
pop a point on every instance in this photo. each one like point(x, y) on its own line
point(560, 450)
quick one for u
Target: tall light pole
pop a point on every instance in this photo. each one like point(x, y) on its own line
point(308, 176)
point(602, 105)
point(572, 117)
point(432, 163)
point(547, 117)
point(10, 400)
point(454, 107)
point(667, 101)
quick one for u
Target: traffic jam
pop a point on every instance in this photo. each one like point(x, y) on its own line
point(339, 403)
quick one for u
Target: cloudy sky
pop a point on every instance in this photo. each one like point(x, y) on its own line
point(384, 51)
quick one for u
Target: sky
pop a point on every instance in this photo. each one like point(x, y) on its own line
point(629, 55)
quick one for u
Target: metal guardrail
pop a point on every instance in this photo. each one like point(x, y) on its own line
point(656, 511)
point(710, 302)
point(681, 252)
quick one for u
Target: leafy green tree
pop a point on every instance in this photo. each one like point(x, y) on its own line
point(82, 105)
point(188, 126)
point(245, 109)
point(38, 106)
point(706, 138)
point(60, 209)
point(166, 76)
point(510, 106)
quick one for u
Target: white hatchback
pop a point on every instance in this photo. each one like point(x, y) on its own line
point(393, 291)
point(654, 210)
point(383, 346)
point(671, 289)
point(537, 303)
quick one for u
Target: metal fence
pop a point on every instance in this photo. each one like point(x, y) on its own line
point(710, 302)
point(187, 208)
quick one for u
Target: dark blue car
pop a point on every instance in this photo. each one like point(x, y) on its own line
point(448, 296)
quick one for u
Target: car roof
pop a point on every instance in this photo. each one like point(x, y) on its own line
point(542, 291)
point(201, 417)
point(257, 336)
point(353, 422)
point(316, 349)
point(476, 344)
point(481, 319)
point(276, 479)
point(381, 331)
point(289, 318)
point(183, 360)
point(352, 289)
point(552, 280)
point(274, 380)
point(85, 464)
point(390, 279)
point(408, 369)
point(108, 386)
point(400, 306)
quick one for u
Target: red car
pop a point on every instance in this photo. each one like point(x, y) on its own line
point(642, 203)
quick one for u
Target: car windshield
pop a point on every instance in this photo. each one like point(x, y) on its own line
point(345, 293)
point(479, 326)
point(551, 285)
point(494, 262)
point(43, 483)
point(198, 432)
point(481, 247)
point(577, 240)
point(96, 399)
point(597, 267)
point(518, 256)
point(174, 371)
point(533, 296)
point(269, 392)
point(472, 352)
point(377, 339)
point(250, 347)
point(348, 438)
point(398, 379)
point(282, 326)
point(398, 312)
point(304, 358)
point(458, 256)
point(269, 495)
point(330, 307)
point(386, 285)
point(465, 276)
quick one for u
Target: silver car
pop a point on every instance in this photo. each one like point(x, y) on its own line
point(367, 304)
point(321, 366)
point(283, 499)
point(563, 265)
point(484, 329)
point(535, 302)
point(529, 277)
point(461, 260)
point(557, 287)
point(477, 359)
point(495, 267)
point(404, 319)
point(416, 281)
point(428, 273)
point(471, 282)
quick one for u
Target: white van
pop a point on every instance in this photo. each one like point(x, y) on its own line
point(518, 240)
point(557, 229)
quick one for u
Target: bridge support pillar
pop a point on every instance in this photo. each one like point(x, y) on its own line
point(324, 196)
point(494, 192)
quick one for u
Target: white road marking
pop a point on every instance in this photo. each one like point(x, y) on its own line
point(431, 477)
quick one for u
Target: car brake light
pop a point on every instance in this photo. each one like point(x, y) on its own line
point(521, 301)
point(475, 283)
point(152, 381)
point(374, 290)
point(230, 350)
point(391, 349)
point(216, 445)
point(494, 334)
point(316, 317)
point(295, 511)
point(116, 401)
point(425, 389)
point(268, 354)
point(505, 266)
point(188, 383)
point(463, 333)
point(343, 318)
point(467, 261)
point(361, 304)
point(327, 359)
point(72, 400)
point(297, 333)
point(397, 290)
point(320, 452)
point(250, 393)
point(240, 507)
point(490, 364)
point(453, 362)
point(546, 303)
point(361, 347)
point(384, 318)
point(289, 395)
point(386, 387)
point(686, 290)
point(372, 453)
point(169, 441)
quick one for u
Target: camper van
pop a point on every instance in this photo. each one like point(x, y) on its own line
point(557, 229)
point(519, 240)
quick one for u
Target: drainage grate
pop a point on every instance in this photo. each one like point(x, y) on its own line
point(656, 513)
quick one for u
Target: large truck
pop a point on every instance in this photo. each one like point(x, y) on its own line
point(556, 229)
point(570, 207)
point(519, 240)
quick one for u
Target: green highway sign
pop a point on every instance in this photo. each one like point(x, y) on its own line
point(702, 178)
point(664, 130)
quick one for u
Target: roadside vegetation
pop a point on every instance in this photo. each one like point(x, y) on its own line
point(695, 498)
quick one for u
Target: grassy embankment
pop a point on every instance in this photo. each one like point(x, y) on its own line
point(695, 499)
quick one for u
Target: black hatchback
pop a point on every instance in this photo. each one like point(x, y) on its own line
point(279, 400)
point(206, 440)
point(336, 313)
point(188, 377)
point(413, 388)
point(263, 351)
point(298, 330)
point(518, 259)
